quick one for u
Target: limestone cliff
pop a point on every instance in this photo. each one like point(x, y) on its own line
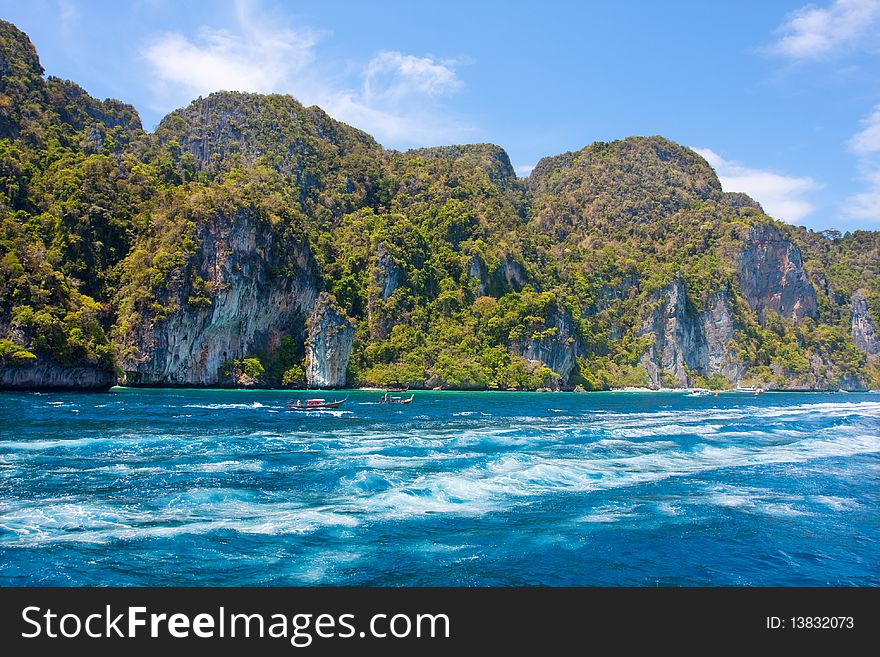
point(717, 326)
point(772, 275)
point(480, 275)
point(689, 340)
point(508, 275)
point(386, 276)
point(864, 332)
point(676, 341)
point(556, 346)
point(243, 289)
point(328, 346)
point(44, 375)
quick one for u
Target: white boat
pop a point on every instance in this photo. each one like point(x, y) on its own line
point(700, 392)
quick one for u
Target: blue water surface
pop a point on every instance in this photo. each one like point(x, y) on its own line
point(214, 487)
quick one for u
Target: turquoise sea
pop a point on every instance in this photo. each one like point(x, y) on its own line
point(216, 487)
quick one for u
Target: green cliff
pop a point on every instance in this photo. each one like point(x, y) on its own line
point(253, 241)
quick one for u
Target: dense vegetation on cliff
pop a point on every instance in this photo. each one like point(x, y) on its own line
point(253, 241)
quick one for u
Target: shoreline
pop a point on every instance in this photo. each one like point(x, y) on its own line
point(318, 391)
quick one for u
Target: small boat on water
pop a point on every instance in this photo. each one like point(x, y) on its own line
point(700, 392)
point(315, 404)
point(750, 389)
point(388, 398)
point(397, 390)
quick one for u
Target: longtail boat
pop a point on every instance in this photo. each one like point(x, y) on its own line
point(315, 404)
point(388, 398)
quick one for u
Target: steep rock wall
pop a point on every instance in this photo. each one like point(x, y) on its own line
point(676, 338)
point(686, 339)
point(864, 332)
point(263, 287)
point(328, 347)
point(772, 275)
point(51, 376)
point(557, 347)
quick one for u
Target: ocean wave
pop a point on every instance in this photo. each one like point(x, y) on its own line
point(227, 406)
point(484, 488)
point(198, 512)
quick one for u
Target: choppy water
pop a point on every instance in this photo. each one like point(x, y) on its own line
point(160, 487)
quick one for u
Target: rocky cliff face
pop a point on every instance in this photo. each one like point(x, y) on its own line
point(772, 275)
point(51, 376)
point(507, 276)
point(477, 271)
point(716, 327)
point(676, 340)
point(386, 276)
point(229, 127)
point(686, 339)
point(864, 332)
point(328, 346)
point(261, 287)
point(558, 346)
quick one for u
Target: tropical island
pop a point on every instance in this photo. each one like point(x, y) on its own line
point(254, 242)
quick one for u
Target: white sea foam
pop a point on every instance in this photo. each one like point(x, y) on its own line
point(483, 468)
point(228, 406)
point(198, 512)
point(493, 486)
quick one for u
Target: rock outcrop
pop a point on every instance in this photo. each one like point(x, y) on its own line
point(716, 327)
point(51, 376)
point(229, 127)
point(772, 275)
point(477, 270)
point(260, 288)
point(557, 346)
point(387, 274)
point(509, 276)
point(688, 340)
point(328, 346)
point(864, 332)
point(676, 339)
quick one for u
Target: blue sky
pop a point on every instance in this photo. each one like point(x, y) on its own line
point(782, 97)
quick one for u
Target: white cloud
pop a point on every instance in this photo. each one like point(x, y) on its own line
point(868, 140)
point(257, 57)
point(395, 96)
point(523, 170)
point(782, 197)
point(866, 145)
point(813, 32)
point(395, 76)
point(865, 205)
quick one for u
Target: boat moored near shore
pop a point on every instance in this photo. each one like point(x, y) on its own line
point(315, 404)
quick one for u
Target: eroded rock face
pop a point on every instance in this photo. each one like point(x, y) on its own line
point(477, 270)
point(717, 325)
point(687, 339)
point(510, 275)
point(676, 339)
point(864, 332)
point(50, 376)
point(261, 287)
point(328, 347)
point(387, 275)
point(772, 275)
point(558, 345)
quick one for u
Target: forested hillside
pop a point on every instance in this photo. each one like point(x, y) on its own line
point(252, 241)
